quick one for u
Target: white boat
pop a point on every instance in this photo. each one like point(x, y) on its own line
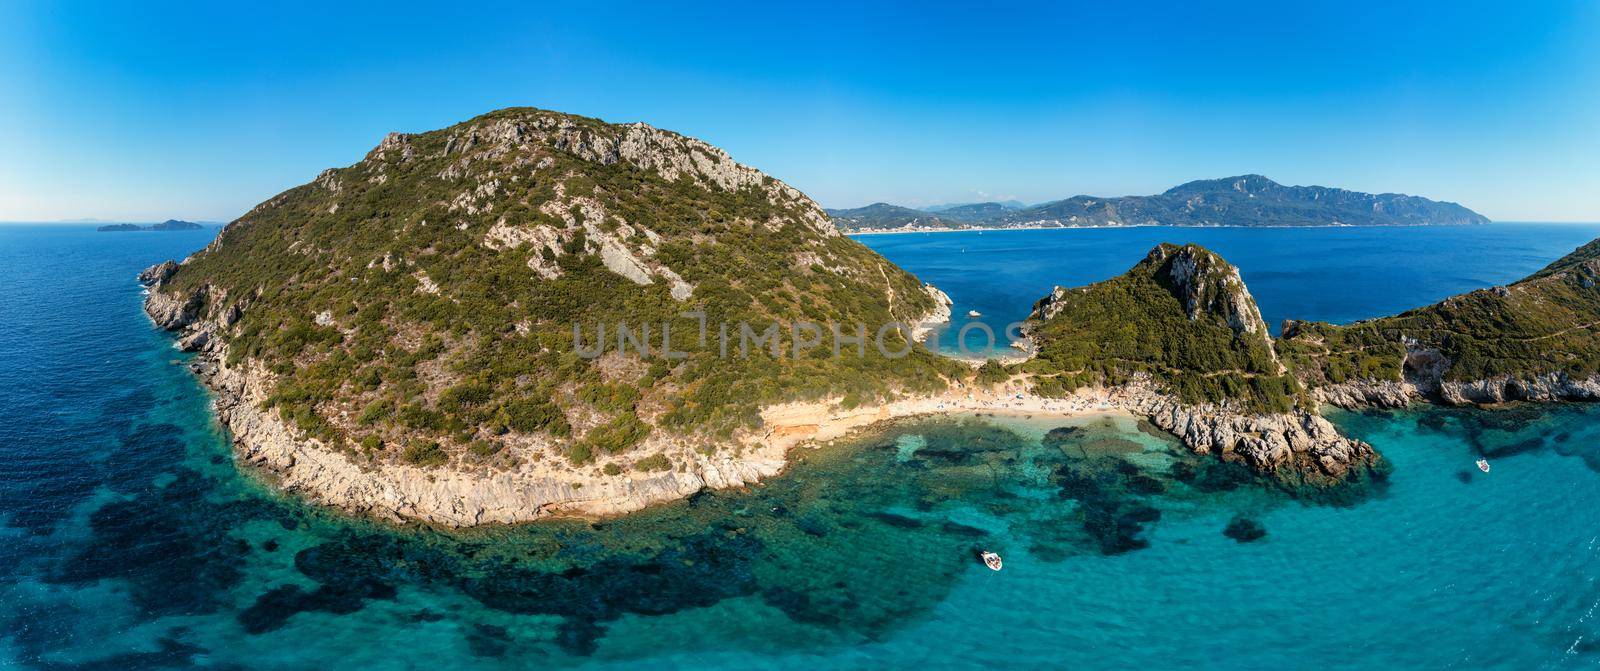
point(991, 560)
point(974, 313)
point(1483, 465)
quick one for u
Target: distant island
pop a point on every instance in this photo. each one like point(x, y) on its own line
point(168, 225)
point(1246, 201)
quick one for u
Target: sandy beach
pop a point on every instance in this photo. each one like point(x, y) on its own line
point(791, 424)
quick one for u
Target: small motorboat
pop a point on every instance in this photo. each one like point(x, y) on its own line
point(990, 560)
point(1483, 465)
point(974, 313)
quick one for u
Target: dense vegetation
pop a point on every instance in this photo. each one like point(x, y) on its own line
point(423, 300)
point(1323, 353)
point(1545, 323)
point(1141, 322)
point(1246, 200)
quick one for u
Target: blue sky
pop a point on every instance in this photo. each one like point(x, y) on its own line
point(167, 110)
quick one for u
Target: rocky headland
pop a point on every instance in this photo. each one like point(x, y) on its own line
point(1533, 340)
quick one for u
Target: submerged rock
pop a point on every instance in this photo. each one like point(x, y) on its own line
point(1244, 530)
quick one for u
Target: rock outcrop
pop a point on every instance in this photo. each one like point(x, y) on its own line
point(935, 316)
point(173, 311)
point(1503, 389)
point(1208, 285)
point(1300, 442)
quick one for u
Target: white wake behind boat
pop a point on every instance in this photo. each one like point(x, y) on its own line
point(1483, 465)
point(991, 560)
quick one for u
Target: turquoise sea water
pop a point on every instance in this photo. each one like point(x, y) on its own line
point(130, 540)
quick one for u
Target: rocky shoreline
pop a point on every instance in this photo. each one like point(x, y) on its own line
point(1300, 448)
point(1546, 388)
point(398, 492)
point(1301, 445)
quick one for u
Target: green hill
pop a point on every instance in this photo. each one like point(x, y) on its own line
point(420, 304)
point(880, 216)
point(1535, 338)
point(1182, 316)
point(1179, 340)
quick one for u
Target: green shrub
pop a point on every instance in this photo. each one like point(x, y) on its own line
point(654, 462)
point(618, 435)
point(579, 453)
point(527, 415)
point(375, 412)
point(425, 453)
point(992, 373)
point(484, 448)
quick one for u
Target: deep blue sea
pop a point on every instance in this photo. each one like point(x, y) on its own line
point(129, 539)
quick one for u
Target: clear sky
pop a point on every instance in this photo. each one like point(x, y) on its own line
point(150, 111)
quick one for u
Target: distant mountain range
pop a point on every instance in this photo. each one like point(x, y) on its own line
point(168, 225)
point(1012, 204)
point(1247, 200)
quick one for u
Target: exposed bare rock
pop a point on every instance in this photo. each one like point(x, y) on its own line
point(426, 284)
point(1542, 388)
point(158, 273)
point(616, 258)
point(197, 340)
point(546, 240)
point(172, 311)
point(1298, 442)
point(1207, 284)
point(939, 314)
point(1051, 305)
point(1366, 393)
